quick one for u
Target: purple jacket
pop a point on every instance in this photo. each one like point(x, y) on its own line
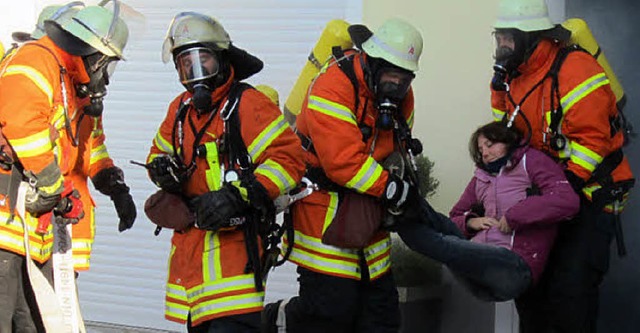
point(532, 218)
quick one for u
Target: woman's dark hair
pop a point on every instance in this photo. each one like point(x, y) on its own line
point(495, 131)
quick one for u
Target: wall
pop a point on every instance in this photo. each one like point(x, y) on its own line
point(452, 86)
point(615, 25)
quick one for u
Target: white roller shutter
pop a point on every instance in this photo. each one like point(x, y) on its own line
point(128, 271)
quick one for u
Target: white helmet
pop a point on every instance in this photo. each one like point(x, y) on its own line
point(100, 28)
point(397, 42)
point(524, 15)
point(189, 28)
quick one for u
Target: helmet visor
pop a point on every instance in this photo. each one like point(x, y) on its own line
point(196, 64)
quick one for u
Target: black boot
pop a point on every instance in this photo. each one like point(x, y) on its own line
point(269, 317)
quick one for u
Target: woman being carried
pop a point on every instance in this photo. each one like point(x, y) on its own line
point(503, 226)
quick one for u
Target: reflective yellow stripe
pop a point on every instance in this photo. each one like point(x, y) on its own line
point(332, 109)
point(584, 157)
point(227, 304)
point(98, 153)
point(316, 245)
point(276, 174)
point(153, 157)
point(220, 286)
point(32, 145)
point(58, 118)
point(331, 210)
point(55, 187)
point(498, 114)
point(213, 177)
point(582, 90)
point(162, 144)
point(211, 268)
point(368, 174)
point(264, 139)
point(176, 310)
point(12, 238)
point(609, 208)
point(411, 119)
point(35, 76)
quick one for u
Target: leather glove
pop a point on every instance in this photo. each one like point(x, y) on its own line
point(126, 209)
point(166, 174)
point(576, 182)
point(69, 209)
point(398, 193)
point(215, 209)
point(39, 203)
point(110, 181)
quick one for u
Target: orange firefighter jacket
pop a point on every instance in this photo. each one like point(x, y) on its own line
point(91, 156)
point(588, 105)
point(207, 277)
point(328, 118)
point(33, 118)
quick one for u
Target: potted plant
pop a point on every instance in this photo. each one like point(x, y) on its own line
point(418, 277)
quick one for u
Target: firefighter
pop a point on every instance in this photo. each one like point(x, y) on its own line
point(92, 160)
point(562, 100)
point(348, 125)
point(40, 85)
point(226, 148)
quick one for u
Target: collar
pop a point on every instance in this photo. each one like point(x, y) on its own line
point(541, 58)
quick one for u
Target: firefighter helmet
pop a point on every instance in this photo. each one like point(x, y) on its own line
point(102, 29)
point(397, 42)
point(190, 28)
point(524, 15)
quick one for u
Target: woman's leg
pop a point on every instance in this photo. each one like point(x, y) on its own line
point(495, 272)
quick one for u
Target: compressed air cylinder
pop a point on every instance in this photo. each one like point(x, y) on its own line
point(581, 35)
point(1, 50)
point(270, 92)
point(334, 34)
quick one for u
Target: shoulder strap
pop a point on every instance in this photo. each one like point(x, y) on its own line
point(345, 63)
point(556, 111)
point(237, 149)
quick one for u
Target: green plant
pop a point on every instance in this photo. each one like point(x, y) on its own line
point(411, 269)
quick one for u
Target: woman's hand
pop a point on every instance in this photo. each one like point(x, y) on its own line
point(503, 226)
point(481, 223)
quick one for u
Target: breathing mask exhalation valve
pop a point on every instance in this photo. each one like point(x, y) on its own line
point(201, 98)
point(386, 110)
point(499, 80)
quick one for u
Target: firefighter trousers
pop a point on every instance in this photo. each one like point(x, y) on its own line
point(566, 299)
point(18, 308)
point(332, 304)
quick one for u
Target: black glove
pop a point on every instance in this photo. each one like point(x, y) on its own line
point(576, 182)
point(69, 209)
point(215, 209)
point(126, 209)
point(398, 193)
point(166, 174)
point(110, 182)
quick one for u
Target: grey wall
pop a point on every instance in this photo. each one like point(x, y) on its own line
point(615, 25)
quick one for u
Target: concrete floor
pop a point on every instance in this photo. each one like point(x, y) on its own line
point(97, 327)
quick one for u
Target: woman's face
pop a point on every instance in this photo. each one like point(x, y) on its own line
point(490, 150)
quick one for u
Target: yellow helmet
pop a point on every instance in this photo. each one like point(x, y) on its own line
point(188, 28)
point(524, 15)
point(270, 92)
point(100, 28)
point(397, 42)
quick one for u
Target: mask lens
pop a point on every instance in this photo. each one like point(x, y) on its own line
point(196, 64)
point(394, 83)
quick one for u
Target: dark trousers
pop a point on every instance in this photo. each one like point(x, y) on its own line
point(243, 323)
point(332, 304)
point(566, 299)
point(490, 272)
point(18, 308)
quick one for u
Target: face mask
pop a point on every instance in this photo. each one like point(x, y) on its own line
point(201, 98)
point(99, 67)
point(390, 91)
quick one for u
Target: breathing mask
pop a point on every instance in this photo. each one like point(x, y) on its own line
point(392, 85)
point(198, 69)
point(99, 67)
